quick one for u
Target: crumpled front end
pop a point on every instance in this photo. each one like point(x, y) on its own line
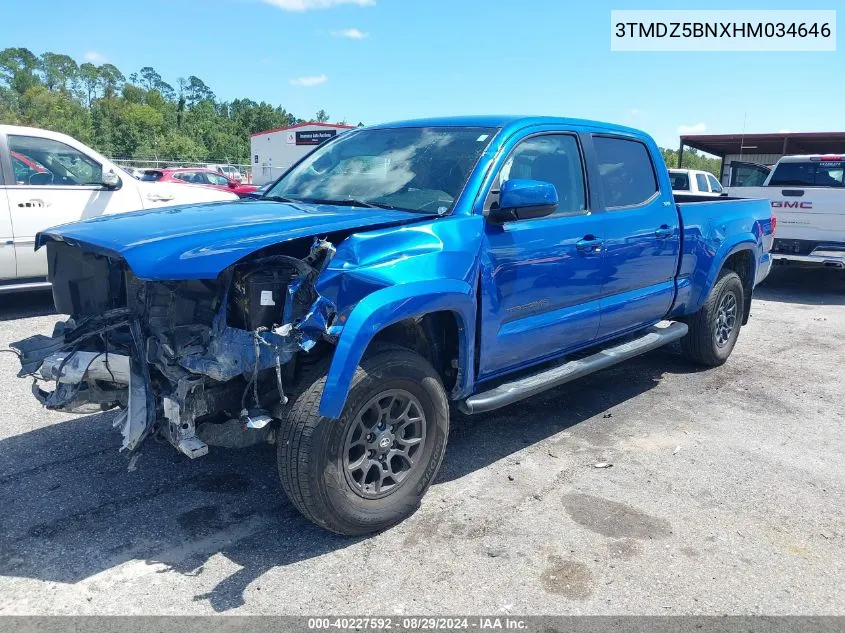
point(197, 361)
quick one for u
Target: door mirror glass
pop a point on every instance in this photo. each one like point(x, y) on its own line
point(523, 200)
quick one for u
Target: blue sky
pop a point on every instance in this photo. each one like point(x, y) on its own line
point(381, 60)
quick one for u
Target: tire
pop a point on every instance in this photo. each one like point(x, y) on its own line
point(317, 456)
point(710, 341)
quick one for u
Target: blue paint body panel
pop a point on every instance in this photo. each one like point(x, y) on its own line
point(521, 293)
point(198, 241)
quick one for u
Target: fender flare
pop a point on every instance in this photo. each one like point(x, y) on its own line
point(386, 307)
point(742, 243)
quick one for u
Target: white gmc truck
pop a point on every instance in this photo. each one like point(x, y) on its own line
point(807, 194)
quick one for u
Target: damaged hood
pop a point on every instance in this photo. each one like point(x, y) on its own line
point(201, 240)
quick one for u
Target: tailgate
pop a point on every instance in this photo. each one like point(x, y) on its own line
point(809, 213)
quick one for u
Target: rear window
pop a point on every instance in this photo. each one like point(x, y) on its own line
point(151, 175)
point(822, 173)
point(625, 171)
point(680, 181)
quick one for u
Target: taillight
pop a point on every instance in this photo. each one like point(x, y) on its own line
point(774, 222)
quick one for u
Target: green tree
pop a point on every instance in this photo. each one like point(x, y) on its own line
point(57, 111)
point(692, 160)
point(57, 71)
point(321, 116)
point(17, 68)
point(112, 79)
point(89, 77)
point(149, 77)
point(142, 117)
point(196, 91)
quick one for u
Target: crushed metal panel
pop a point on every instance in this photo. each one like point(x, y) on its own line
point(133, 421)
point(73, 367)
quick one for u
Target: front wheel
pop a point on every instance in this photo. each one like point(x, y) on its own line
point(369, 469)
point(714, 329)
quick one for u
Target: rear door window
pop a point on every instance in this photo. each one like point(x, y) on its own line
point(701, 181)
point(626, 172)
point(819, 173)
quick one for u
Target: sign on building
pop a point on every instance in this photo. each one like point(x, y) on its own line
point(314, 137)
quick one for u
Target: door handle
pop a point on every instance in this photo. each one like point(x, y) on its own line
point(797, 193)
point(158, 197)
point(35, 203)
point(589, 244)
point(664, 231)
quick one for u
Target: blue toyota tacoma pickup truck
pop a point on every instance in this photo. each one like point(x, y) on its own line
point(395, 273)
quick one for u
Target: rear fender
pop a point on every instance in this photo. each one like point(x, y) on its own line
point(391, 305)
point(702, 285)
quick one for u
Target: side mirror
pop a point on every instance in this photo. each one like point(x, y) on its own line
point(524, 200)
point(232, 184)
point(110, 180)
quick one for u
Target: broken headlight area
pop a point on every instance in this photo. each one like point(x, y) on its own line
point(197, 362)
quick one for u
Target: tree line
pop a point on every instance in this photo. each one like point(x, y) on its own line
point(134, 116)
point(692, 160)
point(143, 116)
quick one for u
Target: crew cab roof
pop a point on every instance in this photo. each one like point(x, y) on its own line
point(512, 122)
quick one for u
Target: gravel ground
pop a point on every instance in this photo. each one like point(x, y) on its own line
point(726, 495)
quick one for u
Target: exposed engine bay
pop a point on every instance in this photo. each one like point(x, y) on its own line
point(185, 360)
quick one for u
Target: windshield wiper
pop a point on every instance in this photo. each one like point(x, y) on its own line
point(279, 199)
point(352, 202)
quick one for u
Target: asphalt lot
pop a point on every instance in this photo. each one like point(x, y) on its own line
point(726, 495)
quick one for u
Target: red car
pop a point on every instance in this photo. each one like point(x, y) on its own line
point(198, 176)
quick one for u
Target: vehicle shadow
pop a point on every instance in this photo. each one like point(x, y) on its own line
point(479, 440)
point(808, 286)
point(75, 507)
point(21, 305)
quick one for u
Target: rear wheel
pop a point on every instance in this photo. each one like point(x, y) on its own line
point(369, 469)
point(714, 329)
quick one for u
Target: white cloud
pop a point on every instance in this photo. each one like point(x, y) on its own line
point(310, 81)
point(308, 5)
point(94, 57)
point(698, 128)
point(352, 34)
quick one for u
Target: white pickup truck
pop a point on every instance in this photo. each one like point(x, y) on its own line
point(47, 178)
point(694, 181)
point(807, 194)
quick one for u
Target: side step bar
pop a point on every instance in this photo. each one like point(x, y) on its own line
point(656, 336)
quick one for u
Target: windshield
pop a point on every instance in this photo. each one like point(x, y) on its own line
point(415, 169)
point(823, 173)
